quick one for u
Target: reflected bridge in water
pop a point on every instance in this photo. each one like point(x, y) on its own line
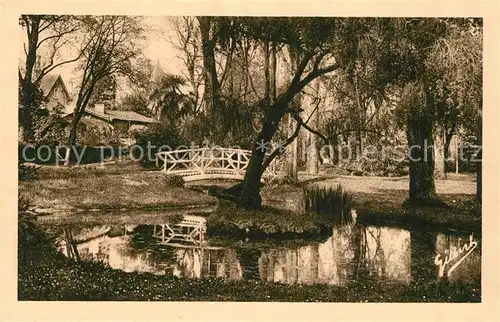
point(351, 254)
point(190, 229)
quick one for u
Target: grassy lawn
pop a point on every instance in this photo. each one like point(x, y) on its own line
point(380, 200)
point(115, 187)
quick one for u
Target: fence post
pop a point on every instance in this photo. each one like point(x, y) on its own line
point(239, 161)
point(165, 162)
point(202, 161)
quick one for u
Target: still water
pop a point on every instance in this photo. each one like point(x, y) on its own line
point(352, 253)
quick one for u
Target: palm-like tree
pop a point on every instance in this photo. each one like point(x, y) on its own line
point(168, 102)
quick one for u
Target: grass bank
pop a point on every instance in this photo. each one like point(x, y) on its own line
point(229, 219)
point(106, 189)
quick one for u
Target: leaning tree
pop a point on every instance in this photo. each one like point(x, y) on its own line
point(320, 46)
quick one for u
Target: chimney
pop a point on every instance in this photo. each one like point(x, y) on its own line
point(99, 108)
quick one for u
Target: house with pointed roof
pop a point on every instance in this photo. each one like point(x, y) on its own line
point(55, 93)
point(104, 120)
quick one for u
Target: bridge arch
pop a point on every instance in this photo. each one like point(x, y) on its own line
point(208, 163)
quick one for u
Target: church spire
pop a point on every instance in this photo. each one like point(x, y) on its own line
point(157, 73)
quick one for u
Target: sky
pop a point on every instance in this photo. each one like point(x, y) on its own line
point(157, 48)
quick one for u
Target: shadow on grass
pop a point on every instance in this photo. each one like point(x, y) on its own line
point(451, 212)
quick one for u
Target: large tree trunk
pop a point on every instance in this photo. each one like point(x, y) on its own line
point(77, 115)
point(312, 161)
point(71, 142)
point(447, 141)
point(267, 77)
point(272, 79)
point(250, 193)
point(212, 86)
point(360, 118)
point(440, 156)
point(27, 87)
point(313, 154)
point(419, 134)
point(293, 173)
point(291, 155)
point(26, 109)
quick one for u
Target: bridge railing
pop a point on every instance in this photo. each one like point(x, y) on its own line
point(205, 160)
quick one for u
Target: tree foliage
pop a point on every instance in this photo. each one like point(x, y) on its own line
point(47, 34)
point(111, 46)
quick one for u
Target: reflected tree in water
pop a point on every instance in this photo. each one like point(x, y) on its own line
point(70, 243)
point(249, 259)
point(423, 251)
point(385, 254)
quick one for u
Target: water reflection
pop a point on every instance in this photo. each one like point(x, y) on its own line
point(386, 253)
point(352, 253)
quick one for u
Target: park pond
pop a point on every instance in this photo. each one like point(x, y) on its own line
point(353, 253)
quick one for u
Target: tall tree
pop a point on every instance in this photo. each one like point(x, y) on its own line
point(187, 40)
point(408, 43)
point(111, 46)
point(105, 91)
point(321, 42)
point(211, 81)
point(170, 103)
point(456, 62)
point(46, 34)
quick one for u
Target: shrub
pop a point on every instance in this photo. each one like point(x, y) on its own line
point(282, 179)
point(48, 156)
point(155, 136)
point(174, 181)
point(334, 202)
point(32, 240)
point(26, 172)
point(228, 125)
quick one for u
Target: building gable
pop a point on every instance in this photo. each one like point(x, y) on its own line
point(55, 92)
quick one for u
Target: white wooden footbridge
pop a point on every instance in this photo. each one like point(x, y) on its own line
point(208, 163)
point(190, 232)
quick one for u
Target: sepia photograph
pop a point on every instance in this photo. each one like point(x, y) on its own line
point(249, 158)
